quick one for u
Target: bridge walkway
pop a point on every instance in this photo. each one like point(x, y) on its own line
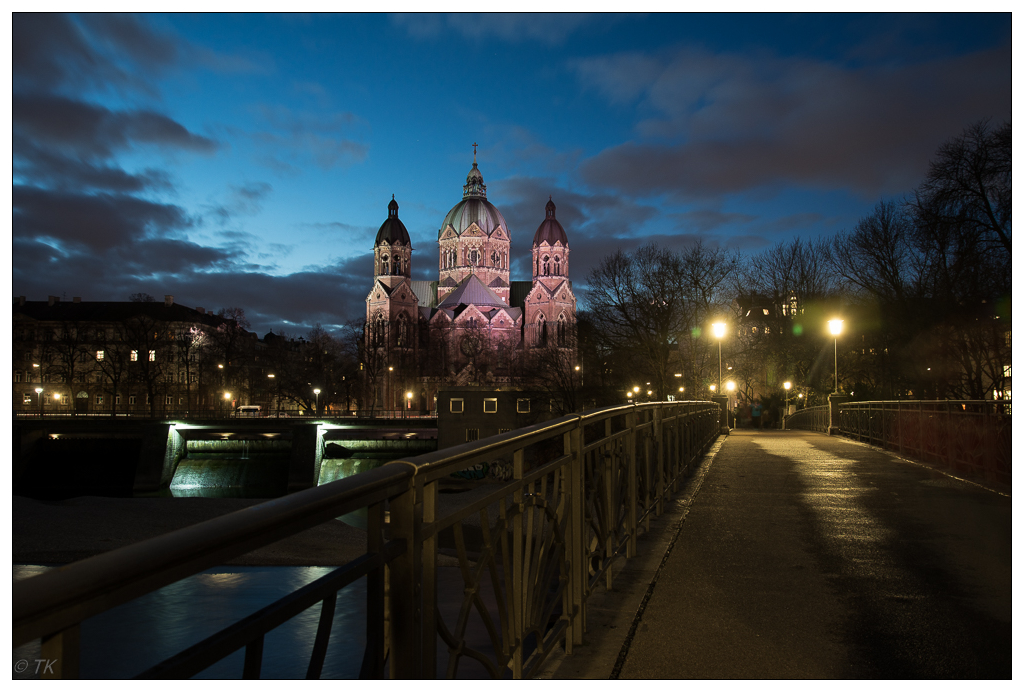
point(797, 555)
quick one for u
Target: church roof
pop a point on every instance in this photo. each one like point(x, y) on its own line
point(392, 230)
point(471, 291)
point(426, 292)
point(550, 230)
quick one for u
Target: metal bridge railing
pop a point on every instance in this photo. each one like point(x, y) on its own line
point(813, 418)
point(967, 437)
point(530, 550)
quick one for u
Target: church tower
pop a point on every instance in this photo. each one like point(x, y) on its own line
point(474, 240)
point(392, 306)
point(551, 304)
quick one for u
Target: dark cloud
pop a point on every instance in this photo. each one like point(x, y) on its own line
point(48, 167)
point(97, 221)
point(103, 51)
point(737, 123)
point(704, 220)
point(91, 130)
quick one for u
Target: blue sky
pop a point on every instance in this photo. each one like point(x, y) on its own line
point(247, 159)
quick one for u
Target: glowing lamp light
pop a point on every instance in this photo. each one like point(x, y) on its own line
point(835, 327)
point(712, 387)
point(787, 385)
point(718, 329)
point(730, 385)
point(227, 395)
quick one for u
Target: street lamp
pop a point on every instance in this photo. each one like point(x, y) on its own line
point(712, 387)
point(787, 386)
point(718, 328)
point(317, 393)
point(836, 328)
point(408, 403)
point(39, 397)
point(227, 397)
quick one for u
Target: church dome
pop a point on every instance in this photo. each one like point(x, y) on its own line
point(392, 230)
point(474, 208)
point(550, 230)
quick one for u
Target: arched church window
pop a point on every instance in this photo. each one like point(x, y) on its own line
point(542, 331)
point(561, 329)
point(379, 330)
point(547, 265)
point(495, 259)
point(403, 330)
point(558, 266)
point(384, 265)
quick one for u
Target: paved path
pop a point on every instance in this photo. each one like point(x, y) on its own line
point(805, 556)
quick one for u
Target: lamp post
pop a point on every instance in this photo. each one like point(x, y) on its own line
point(718, 328)
point(227, 398)
point(39, 397)
point(787, 386)
point(317, 410)
point(836, 328)
point(730, 387)
point(408, 403)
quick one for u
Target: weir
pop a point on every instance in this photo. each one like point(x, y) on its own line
point(235, 458)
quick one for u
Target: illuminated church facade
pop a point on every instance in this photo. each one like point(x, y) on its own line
point(473, 325)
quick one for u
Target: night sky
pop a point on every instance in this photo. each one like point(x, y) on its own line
point(248, 160)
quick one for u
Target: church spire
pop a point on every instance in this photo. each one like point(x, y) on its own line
point(474, 186)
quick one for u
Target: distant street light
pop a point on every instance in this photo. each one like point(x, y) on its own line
point(712, 388)
point(718, 328)
point(39, 396)
point(227, 398)
point(317, 392)
point(836, 328)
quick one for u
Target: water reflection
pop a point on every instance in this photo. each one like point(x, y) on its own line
point(127, 640)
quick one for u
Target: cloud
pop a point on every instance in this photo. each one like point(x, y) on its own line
point(714, 124)
point(98, 221)
point(704, 220)
point(548, 28)
point(94, 131)
point(303, 135)
point(101, 51)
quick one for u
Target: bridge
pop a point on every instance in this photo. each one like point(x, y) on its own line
point(634, 541)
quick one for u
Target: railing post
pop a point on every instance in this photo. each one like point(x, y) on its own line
point(631, 485)
point(64, 648)
point(657, 439)
point(518, 614)
point(405, 653)
point(427, 599)
point(576, 550)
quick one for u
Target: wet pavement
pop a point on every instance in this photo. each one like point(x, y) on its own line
point(807, 556)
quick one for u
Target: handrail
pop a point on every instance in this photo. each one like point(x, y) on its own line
point(67, 595)
point(583, 488)
point(969, 437)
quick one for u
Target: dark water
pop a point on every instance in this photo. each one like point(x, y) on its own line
point(129, 639)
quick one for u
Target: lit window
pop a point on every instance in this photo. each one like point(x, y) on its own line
point(152, 356)
point(472, 434)
point(490, 405)
point(63, 399)
point(99, 398)
point(522, 405)
point(455, 405)
point(1006, 371)
point(135, 355)
point(99, 355)
point(27, 398)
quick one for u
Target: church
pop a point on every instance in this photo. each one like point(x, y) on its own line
point(473, 326)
